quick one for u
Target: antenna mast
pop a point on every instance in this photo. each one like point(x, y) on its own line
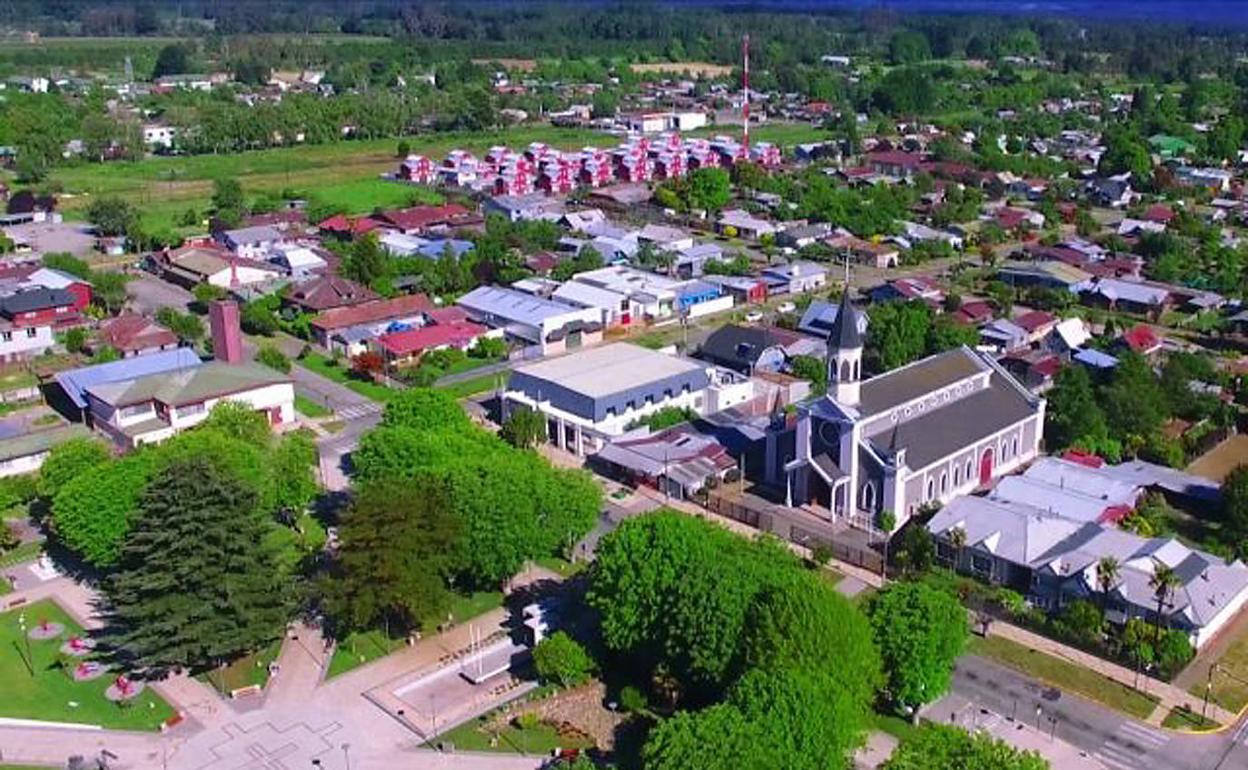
point(745, 104)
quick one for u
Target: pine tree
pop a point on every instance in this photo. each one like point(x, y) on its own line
point(196, 585)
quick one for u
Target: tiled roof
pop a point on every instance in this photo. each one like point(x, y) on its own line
point(134, 332)
point(405, 343)
point(328, 292)
point(372, 312)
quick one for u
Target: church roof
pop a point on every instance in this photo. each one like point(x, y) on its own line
point(844, 334)
point(885, 391)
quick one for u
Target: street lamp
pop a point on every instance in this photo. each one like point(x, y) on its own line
point(28, 660)
point(345, 755)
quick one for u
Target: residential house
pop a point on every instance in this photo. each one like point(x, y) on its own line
point(864, 252)
point(329, 326)
point(912, 287)
point(820, 316)
point(679, 461)
point(744, 224)
point(190, 266)
point(446, 328)
point(745, 290)
point(25, 453)
point(297, 261)
point(326, 292)
point(134, 335)
point(517, 208)
point(751, 349)
point(253, 243)
point(545, 326)
point(794, 278)
point(421, 220)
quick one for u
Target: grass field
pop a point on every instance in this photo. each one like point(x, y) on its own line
point(1182, 719)
point(309, 408)
point(51, 694)
point(343, 172)
point(251, 669)
point(1064, 675)
point(365, 646)
point(24, 552)
point(1230, 681)
point(540, 739)
point(315, 362)
point(471, 387)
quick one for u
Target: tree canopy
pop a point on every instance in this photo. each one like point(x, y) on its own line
point(938, 747)
point(920, 631)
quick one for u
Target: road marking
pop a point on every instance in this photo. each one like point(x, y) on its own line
point(1144, 734)
point(356, 411)
point(1116, 758)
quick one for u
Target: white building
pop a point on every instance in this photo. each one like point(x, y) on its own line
point(153, 407)
point(594, 395)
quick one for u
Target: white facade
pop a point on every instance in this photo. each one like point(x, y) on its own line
point(160, 422)
point(18, 343)
point(160, 137)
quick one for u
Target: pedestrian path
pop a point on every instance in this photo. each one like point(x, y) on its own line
point(1131, 746)
point(1169, 696)
point(356, 411)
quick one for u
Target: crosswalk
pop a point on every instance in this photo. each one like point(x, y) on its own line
point(1129, 747)
point(356, 411)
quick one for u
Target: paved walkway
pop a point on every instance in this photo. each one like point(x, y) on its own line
point(1169, 696)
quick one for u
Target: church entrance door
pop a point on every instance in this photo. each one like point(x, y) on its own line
point(985, 467)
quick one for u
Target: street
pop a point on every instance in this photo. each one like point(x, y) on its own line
point(1118, 742)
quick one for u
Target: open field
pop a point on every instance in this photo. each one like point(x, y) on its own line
point(1064, 675)
point(693, 68)
point(50, 693)
point(344, 172)
point(1217, 463)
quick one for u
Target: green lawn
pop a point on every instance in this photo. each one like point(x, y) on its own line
point(1230, 682)
point(251, 669)
point(562, 567)
point(315, 362)
point(345, 172)
point(1182, 719)
point(309, 408)
point(1064, 675)
point(472, 387)
point(24, 552)
point(540, 739)
point(361, 196)
point(364, 646)
point(899, 728)
point(13, 379)
point(51, 694)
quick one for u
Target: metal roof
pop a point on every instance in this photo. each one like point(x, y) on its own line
point(76, 381)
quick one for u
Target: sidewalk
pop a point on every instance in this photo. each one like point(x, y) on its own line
point(1169, 696)
point(1060, 754)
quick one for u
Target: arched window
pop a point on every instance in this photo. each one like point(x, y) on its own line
point(931, 489)
point(845, 371)
point(957, 475)
point(868, 496)
point(970, 469)
point(857, 370)
point(944, 482)
point(1015, 452)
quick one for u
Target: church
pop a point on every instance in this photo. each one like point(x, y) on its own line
point(924, 433)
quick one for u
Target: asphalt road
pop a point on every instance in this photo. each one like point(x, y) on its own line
point(1118, 742)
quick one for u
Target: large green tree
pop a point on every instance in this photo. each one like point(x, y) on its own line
point(1134, 402)
point(1073, 411)
point(69, 460)
point(941, 747)
point(393, 557)
point(920, 631)
point(195, 584)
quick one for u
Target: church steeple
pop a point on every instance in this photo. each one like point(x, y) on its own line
point(845, 353)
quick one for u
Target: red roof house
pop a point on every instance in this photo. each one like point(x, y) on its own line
point(347, 227)
point(134, 335)
point(1142, 339)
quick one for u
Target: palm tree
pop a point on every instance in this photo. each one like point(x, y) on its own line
point(1107, 570)
point(957, 539)
point(1163, 583)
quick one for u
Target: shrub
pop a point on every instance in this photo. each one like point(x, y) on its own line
point(632, 700)
point(273, 358)
point(561, 659)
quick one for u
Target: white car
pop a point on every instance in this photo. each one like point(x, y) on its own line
point(787, 307)
point(753, 317)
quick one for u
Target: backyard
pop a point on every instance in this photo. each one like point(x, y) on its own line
point(1064, 675)
point(46, 691)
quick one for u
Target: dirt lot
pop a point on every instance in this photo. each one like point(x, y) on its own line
point(1222, 459)
point(692, 68)
point(582, 709)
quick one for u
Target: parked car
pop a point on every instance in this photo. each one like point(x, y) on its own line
point(753, 317)
point(787, 307)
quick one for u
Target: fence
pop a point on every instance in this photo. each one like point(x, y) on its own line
point(771, 518)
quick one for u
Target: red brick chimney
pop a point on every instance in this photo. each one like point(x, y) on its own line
point(227, 339)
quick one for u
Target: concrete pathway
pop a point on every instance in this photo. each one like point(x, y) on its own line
point(1169, 696)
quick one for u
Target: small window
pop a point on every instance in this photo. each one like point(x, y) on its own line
point(957, 475)
point(1016, 446)
point(31, 332)
point(944, 483)
point(931, 489)
point(8, 336)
